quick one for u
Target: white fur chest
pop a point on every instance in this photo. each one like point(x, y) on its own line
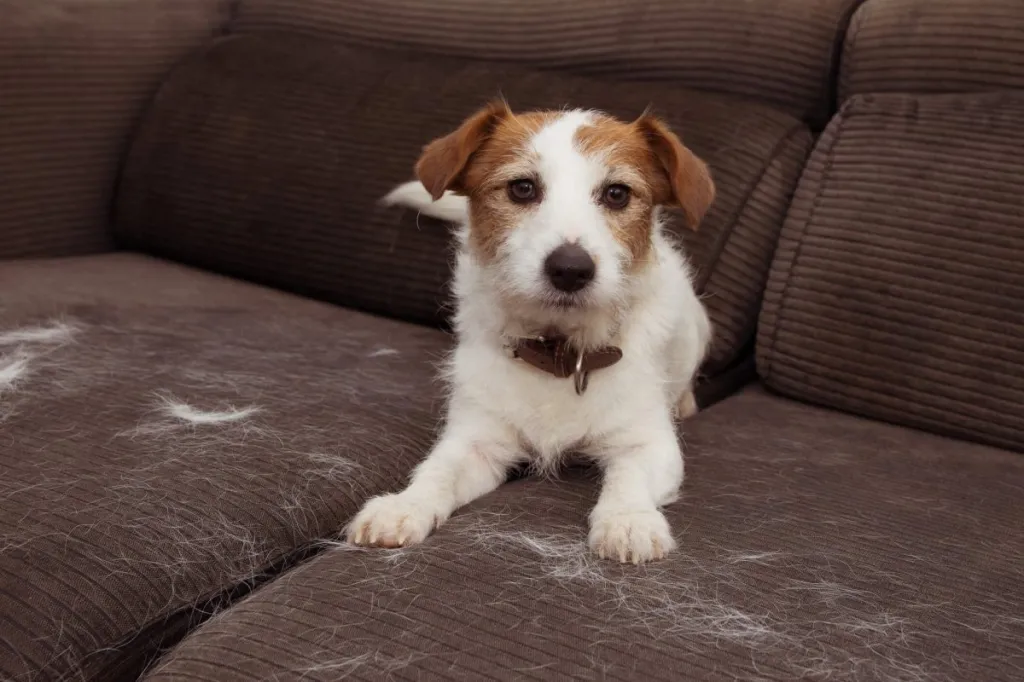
point(544, 411)
point(662, 339)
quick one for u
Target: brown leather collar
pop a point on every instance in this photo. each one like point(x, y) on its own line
point(555, 356)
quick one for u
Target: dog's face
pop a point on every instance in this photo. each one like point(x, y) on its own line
point(562, 204)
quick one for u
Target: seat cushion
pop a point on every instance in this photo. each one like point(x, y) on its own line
point(812, 545)
point(168, 437)
point(75, 77)
point(936, 47)
point(779, 52)
point(897, 290)
point(264, 157)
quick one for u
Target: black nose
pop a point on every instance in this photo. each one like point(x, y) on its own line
point(569, 267)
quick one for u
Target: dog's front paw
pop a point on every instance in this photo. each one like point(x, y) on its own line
point(392, 521)
point(631, 536)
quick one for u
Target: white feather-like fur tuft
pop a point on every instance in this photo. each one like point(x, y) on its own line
point(450, 207)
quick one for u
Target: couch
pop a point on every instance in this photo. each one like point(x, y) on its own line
point(215, 343)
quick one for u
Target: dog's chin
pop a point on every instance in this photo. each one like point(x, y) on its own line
point(581, 316)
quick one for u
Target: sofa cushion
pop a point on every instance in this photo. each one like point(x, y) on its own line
point(936, 47)
point(780, 52)
point(897, 291)
point(74, 77)
point(813, 545)
point(167, 437)
point(264, 157)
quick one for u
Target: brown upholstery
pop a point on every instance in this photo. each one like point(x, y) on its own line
point(74, 76)
point(118, 519)
point(813, 545)
point(180, 447)
point(898, 286)
point(265, 157)
point(933, 46)
point(778, 52)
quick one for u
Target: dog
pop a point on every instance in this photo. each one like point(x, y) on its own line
point(578, 328)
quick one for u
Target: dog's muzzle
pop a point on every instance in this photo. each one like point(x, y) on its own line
point(558, 358)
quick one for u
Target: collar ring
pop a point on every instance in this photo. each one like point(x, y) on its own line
point(580, 377)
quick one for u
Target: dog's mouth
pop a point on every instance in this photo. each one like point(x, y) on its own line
point(558, 300)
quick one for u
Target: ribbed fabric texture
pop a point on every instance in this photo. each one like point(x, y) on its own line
point(117, 512)
point(813, 545)
point(898, 286)
point(778, 52)
point(74, 76)
point(934, 47)
point(733, 277)
point(265, 157)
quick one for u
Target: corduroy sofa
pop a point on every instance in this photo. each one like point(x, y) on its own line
point(215, 343)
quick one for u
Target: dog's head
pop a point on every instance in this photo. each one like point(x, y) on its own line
point(563, 204)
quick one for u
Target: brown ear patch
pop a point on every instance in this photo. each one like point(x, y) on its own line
point(623, 149)
point(506, 146)
point(689, 184)
point(443, 162)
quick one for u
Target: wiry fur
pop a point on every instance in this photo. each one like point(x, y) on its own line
point(502, 411)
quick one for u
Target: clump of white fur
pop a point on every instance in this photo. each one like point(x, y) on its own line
point(55, 333)
point(31, 346)
point(13, 368)
point(192, 415)
point(204, 428)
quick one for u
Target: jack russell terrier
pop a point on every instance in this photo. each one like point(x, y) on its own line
point(577, 323)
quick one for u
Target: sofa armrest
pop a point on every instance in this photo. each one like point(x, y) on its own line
point(74, 75)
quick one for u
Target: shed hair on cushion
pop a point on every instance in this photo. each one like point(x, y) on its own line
point(55, 333)
point(13, 368)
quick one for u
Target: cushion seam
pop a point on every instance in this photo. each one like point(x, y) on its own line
point(826, 172)
point(226, 595)
point(849, 52)
point(741, 207)
point(750, 325)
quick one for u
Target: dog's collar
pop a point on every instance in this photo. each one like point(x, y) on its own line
point(554, 355)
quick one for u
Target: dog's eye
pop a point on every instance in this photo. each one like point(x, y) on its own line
point(522, 191)
point(615, 196)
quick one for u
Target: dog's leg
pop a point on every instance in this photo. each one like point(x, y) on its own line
point(471, 459)
point(639, 477)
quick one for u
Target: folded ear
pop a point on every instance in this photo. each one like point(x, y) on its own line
point(689, 184)
point(443, 162)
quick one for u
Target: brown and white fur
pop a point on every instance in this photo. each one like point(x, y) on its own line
point(502, 411)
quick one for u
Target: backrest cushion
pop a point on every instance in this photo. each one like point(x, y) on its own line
point(898, 286)
point(264, 157)
point(74, 77)
point(930, 46)
point(781, 52)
